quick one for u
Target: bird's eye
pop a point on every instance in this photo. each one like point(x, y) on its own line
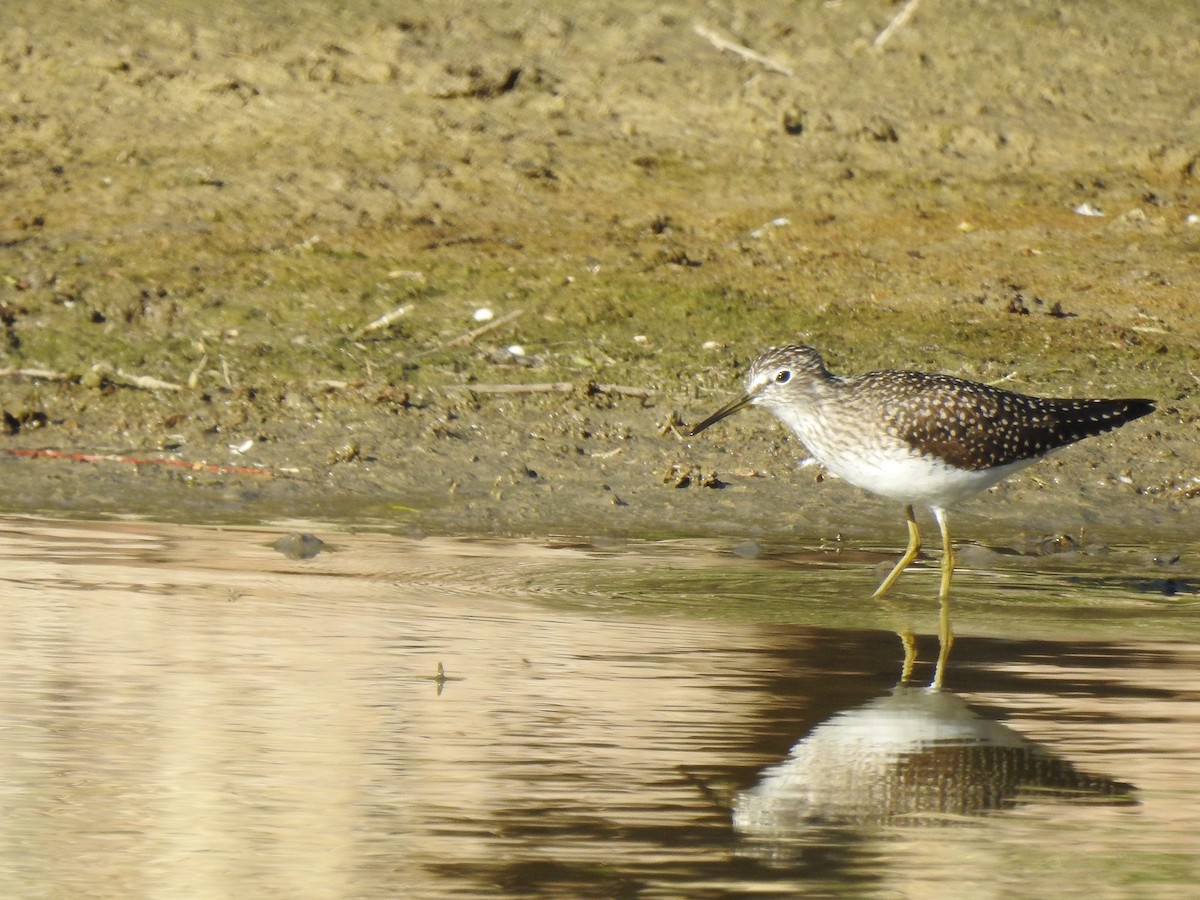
point(783, 376)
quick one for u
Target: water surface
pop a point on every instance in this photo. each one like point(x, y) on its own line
point(187, 712)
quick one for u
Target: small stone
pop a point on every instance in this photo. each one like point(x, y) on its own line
point(299, 545)
point(748, 550)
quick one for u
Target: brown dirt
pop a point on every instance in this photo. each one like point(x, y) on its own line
point(222, 196)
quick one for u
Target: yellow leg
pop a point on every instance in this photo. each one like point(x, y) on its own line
point(914, 547)
point(909, 640)
point(945, 635)
point(947, 552)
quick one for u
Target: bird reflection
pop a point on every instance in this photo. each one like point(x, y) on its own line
point(915, 756)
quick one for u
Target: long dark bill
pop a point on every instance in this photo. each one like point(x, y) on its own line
point(727, 410)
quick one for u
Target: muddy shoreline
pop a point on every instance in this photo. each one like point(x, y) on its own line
point(207, 207)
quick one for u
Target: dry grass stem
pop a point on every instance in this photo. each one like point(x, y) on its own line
point(549, 387)
point(470, 337)
point(723, 43)
point(43, 374)
point(385, 320)
point(898, 22)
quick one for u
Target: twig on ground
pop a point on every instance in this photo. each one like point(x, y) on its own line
point(331, 384)
point(145, 382)
point(622, 390)
point(898, 22)
point(128, 379)
point(464, 340)
point(674, 425)
point(101, 370)
point(140, 461)
point(557, 387)
point(723, 43)
point(549, 387)
point(43, 374)
point(194, 376)
point(385, 320)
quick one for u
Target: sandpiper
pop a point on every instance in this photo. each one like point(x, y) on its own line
point(920, 438)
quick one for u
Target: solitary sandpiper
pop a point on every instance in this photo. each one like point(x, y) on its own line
point(922, 439)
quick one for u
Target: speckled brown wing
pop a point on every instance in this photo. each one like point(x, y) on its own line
point(973, 426)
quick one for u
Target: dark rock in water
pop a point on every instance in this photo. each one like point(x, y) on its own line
point(748, 550)
point(300, 546)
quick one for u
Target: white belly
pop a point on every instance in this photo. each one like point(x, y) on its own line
point(890, 469)
point(920, 480)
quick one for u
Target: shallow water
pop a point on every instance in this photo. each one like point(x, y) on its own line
point(189, 713)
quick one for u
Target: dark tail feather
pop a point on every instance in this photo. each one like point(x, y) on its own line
point(1077, 419)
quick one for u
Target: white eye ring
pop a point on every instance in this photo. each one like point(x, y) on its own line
point(783, 376)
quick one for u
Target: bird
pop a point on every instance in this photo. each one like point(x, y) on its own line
point(920, 438)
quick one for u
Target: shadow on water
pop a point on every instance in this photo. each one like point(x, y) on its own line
point(199, 711)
